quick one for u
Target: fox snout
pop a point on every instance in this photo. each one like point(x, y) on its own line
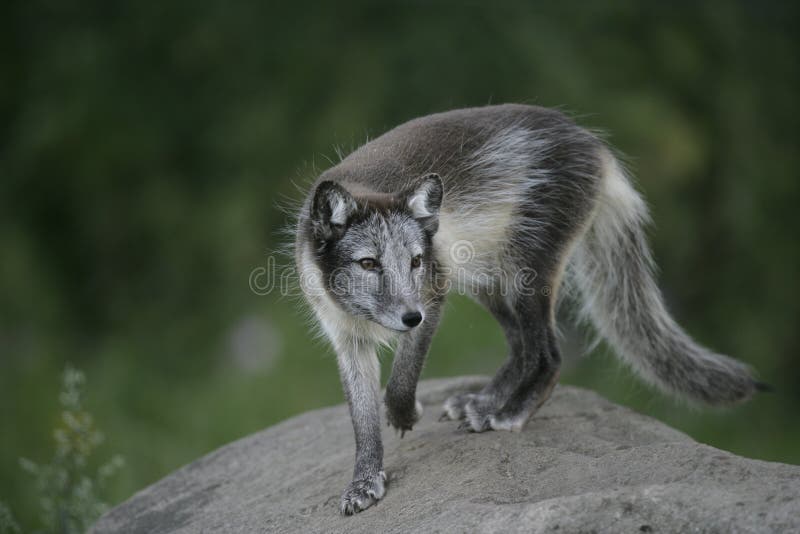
point(411, 319)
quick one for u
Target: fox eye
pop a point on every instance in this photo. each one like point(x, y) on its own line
point(368, 264)
point(416, 261)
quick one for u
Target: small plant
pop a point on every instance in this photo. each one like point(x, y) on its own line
point(7, 523)
point(69, 497)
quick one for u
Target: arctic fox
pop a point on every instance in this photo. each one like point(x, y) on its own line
point(504, 203)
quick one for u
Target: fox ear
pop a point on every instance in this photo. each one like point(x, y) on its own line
point(424, 198)
point(331, 208)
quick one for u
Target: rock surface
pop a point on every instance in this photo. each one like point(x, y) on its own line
point(582, 464)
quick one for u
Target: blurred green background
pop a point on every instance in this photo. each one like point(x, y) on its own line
point(145, 147)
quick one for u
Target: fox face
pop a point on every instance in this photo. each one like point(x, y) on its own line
point(374, 251)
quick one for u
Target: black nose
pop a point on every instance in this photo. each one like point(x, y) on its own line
point(412, 319)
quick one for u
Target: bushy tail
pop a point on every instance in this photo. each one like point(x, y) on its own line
point(613, 270)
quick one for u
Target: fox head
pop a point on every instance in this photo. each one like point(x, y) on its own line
point(374, 250)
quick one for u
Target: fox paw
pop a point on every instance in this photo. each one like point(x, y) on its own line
point(403, 420)
point(455, 407)
point(480, 417)
point(477, 416)
point(362, 493)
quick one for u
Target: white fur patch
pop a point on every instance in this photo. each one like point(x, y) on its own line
point(513, 424)
point(474, 232)
point(617, 191)
point(339, 211)
point(453, 412)
point(418, 203)
point(418, 409)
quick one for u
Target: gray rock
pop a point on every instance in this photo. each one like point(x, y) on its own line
point(582, 464)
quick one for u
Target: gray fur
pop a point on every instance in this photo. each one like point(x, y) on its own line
point(468, 200)
point(613, 270)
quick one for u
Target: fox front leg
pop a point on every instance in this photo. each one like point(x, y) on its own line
point(402, 409)
point(360, 372)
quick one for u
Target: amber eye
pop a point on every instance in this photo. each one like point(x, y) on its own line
point(368, 264)
point(416, 261)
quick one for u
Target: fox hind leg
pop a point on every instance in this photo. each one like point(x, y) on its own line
point(494, 394)
point(529, 374)
point(539, 375)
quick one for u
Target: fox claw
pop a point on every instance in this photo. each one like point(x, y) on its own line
point(362, 493)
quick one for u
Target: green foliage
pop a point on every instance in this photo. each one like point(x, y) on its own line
point(8, 524)
point(69, 497)
point(144, 147)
